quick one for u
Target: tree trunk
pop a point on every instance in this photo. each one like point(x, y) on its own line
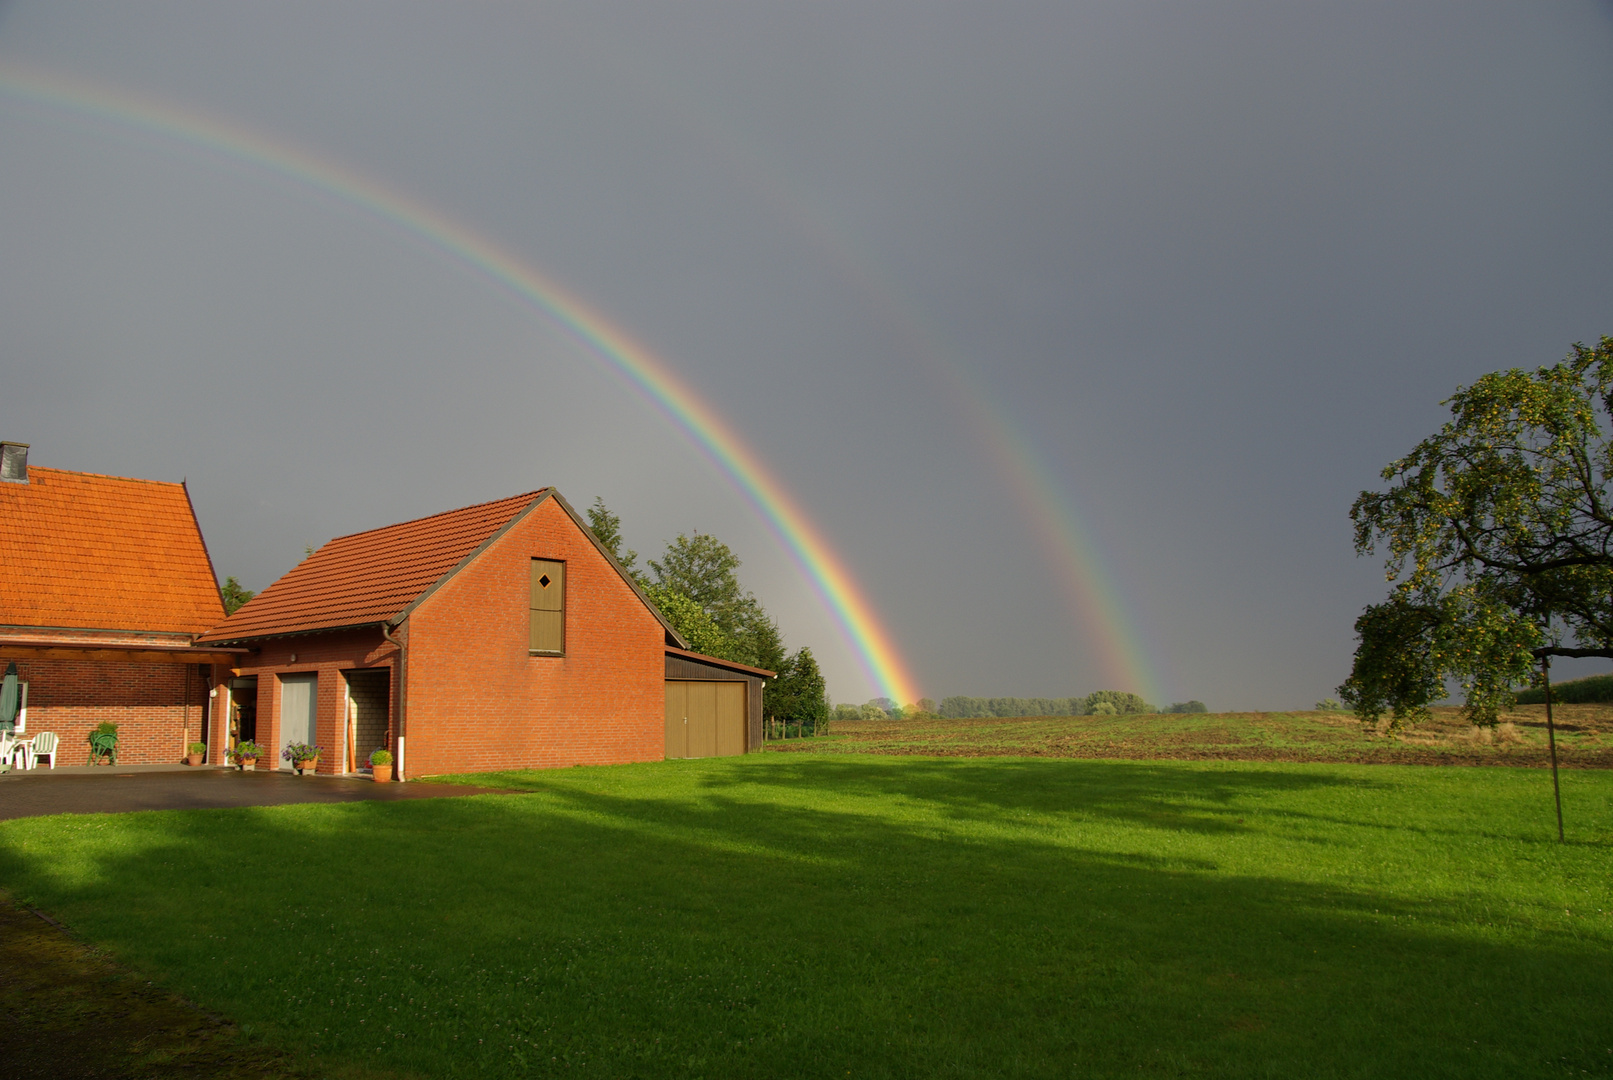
point(1551, 740)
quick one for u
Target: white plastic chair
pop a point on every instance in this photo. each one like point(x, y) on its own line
point(8, 747)
point(41, 745)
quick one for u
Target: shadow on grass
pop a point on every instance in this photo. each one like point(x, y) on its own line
point(878, 918)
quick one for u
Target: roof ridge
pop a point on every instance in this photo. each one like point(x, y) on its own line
point(103, 476)
point(440, 513)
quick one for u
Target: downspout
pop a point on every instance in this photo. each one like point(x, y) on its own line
point(403, 698)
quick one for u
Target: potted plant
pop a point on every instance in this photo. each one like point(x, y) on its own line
point(381, 766)
point(195, 752)
point(303, 756)
point(245, 755)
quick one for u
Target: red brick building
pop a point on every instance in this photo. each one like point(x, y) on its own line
point(496, 636)
point(105, 584)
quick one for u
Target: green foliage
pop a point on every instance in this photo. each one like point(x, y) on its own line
point(1499, 539)
point(300, 751)
point(695, 584)
point(873, 711)
point(1330, 705)
point(693, 624)
point(704, 570)
point(1589, 690)
point(106, 727)
point(847, 712)
point(1187, 707)
point(760, 642)
point(380, 757)
point(1104, 708)
point(196, 748)
point(234, 596)
point(245, 750)
point(1123, 701)
point(607, 529)
point(796, 698)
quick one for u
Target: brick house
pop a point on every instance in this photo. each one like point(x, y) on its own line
point(500, 635)
point(105, 584)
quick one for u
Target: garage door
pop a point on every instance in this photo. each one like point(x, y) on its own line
point(705, 719)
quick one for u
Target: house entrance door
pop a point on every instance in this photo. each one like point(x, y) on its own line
point(297, 702)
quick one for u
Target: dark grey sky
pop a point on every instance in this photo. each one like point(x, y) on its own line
point(1214, 264)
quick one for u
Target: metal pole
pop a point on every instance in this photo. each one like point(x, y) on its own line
point(1551, 740)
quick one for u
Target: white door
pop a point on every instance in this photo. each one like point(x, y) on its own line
point(297, 700)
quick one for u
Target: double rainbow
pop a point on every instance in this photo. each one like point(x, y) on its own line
point(649, 374)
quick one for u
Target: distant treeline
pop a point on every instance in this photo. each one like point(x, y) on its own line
point(1584, 691)
point(1101, 702)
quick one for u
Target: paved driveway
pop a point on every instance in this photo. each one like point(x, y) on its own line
point(108, 791)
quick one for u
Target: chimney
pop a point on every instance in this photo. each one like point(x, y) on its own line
point(14, 462)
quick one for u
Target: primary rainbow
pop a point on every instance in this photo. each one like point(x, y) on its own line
point(843, 597)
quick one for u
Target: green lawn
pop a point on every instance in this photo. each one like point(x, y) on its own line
point(831, 916)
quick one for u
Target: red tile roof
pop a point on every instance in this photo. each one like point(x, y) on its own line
point(369, 577)
point(103, 552)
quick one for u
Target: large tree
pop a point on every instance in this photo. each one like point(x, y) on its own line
point(1499, 536)
point(704, 569)
point(607, 527)
point(797, 697)
point(235, 597)
point(695, 583)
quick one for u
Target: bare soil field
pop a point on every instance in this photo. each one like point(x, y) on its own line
point(1584, 738)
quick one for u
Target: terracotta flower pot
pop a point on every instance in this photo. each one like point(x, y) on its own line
point(383, 773)
point(307, 767)
point(194, 759)
point(249, 763)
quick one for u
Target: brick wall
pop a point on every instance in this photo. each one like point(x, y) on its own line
point(158, 708)
point(477, 700)
point(329, 655)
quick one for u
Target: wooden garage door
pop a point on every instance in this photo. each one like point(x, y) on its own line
point(705, 719)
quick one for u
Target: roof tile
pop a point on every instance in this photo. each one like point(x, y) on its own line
point(369, 577)
point(103, 552)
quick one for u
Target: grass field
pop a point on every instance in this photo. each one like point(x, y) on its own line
point(1584, 738)
point(850, 915)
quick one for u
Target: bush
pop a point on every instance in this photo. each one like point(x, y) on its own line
point(1104, 708)
point(1189, 707)
point(381, 757)
point(1122, 701)
point(1328, 704)
point(196, 748)
point(1592, 688)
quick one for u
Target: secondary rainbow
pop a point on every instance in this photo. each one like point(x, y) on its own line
point(1079, 564)
point(651, 376)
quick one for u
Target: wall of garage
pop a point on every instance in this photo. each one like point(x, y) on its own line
point(688, 668)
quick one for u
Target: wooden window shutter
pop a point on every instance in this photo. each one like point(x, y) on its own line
point(548, 606)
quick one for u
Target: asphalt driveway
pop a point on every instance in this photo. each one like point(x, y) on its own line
point(113, 791)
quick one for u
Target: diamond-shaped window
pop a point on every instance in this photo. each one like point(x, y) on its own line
point(544, 581)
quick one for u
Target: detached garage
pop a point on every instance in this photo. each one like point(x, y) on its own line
point(713, 707)
point(496, 636)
